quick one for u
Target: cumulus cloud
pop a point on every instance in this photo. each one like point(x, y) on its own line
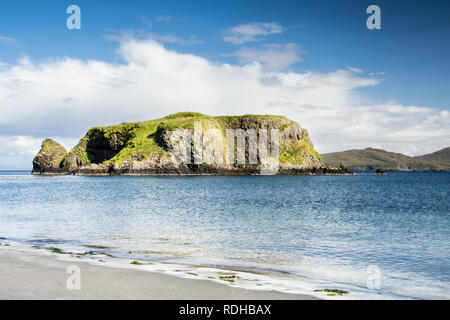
point(62, 98)
point(411, 130)
point(274, 57)
point(251, 32)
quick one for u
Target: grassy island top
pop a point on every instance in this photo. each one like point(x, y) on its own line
point(138, 140)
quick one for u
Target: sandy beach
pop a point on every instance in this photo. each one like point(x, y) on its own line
point(30, 275)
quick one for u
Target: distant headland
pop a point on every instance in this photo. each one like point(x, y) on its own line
point(189, 143)
point(371, 159)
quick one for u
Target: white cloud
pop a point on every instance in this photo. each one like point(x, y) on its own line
point(128, 35)
point(18, 151)
point(274, 57)
point(19, 145)
point(251, 32)
point(63, 98)
point(355, 70)
point(169, 38)
point(407, 129)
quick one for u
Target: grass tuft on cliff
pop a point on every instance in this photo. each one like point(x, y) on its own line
point(296, 152)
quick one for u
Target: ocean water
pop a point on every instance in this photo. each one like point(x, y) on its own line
point(324, 230)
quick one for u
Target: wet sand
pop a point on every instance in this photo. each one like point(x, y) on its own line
point(30, 275)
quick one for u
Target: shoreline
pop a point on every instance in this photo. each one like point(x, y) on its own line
point(25, 274)
point(285, 173)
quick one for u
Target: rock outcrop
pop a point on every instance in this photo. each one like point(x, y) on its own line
point(49, 158)
point(148, 148)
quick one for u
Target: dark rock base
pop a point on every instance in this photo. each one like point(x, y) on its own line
point(109, 170)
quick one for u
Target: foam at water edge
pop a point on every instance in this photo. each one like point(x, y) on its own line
point(232, 278)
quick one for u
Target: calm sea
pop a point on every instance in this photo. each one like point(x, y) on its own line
point(335, 229)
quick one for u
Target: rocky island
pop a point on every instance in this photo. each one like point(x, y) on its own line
point(146, 148)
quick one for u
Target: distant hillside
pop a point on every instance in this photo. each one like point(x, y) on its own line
point(371, 159)
point(441, 156)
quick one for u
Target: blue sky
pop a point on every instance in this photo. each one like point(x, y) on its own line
point(412, 48)
point(403, 66)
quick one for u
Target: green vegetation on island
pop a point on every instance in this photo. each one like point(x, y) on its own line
point(142, 148)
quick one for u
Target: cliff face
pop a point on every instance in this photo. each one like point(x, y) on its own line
point(147, 148)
